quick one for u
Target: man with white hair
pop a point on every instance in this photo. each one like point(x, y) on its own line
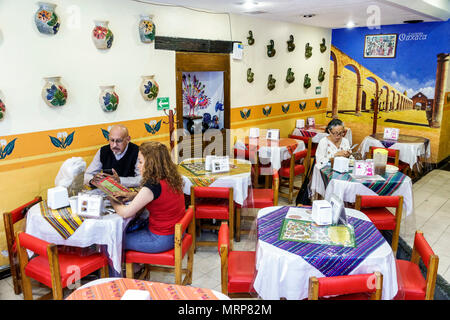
point(118, 160)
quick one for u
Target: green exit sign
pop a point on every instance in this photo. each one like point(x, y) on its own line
point(163, 103)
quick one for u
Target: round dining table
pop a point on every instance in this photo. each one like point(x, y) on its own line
point(239, 177)
point(115, 288)
point(411, 148)
point(271, 152)
point(284, 267)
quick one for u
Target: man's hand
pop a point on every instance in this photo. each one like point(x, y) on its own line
point(115, 176)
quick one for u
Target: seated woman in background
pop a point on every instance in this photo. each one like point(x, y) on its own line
point(161, 194)
point(334, 145)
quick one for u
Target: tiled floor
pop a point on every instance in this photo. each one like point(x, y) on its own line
point(432, 216)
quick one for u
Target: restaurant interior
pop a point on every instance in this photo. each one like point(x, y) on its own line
point(312, 139)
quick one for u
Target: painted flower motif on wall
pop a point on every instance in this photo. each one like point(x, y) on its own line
point(245, 113)
point(318, 103)
point(6, 148)
point(44, 15)
point(151, 89)
point(62, 140)
point(49, 18)
point(267, 110)
point(302, 106)
point(100, 32)
point(285, 107)
point(153, 126)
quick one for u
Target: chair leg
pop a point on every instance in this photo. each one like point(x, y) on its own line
point(17, 282)
point(129, 270)
point(291, 188)
point(57, 293)
point(26, 288)
point(238, 224)
point(190, 265)
point(178, 271)
point(104, 272)
point(394, 243)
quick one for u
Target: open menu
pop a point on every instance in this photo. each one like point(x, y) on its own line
point(108, 185)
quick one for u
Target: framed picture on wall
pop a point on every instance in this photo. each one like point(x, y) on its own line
point(380, 45)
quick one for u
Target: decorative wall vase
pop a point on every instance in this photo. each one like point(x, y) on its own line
point(149, 88)
point(147, 29)
point(271, 82)
point(308, 50)
point(250, 38)
point(250, 75)
point(307, 82)
point(53, 93)
point(109, 100)
point(2, 110)
point(270, 48)
point(290, 43)
point(290, 76)
point(323, 47)
point(321, 76)
point(46, 20)
point(102, 35)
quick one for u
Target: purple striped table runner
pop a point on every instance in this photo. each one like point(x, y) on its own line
point(329, 260)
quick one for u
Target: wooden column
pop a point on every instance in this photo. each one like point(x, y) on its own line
point(358, 99)
point(334, 106)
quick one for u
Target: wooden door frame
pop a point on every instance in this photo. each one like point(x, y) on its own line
point(201, 62)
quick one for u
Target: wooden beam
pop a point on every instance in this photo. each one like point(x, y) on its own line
point(193, 45)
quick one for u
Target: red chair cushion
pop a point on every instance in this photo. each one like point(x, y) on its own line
point(423, 248)
point(382, 218)
point(166, 258)
point(260, 198)
point(211, 209)
point(211, 192)
point(39, 269)
point(411, 283)
point(356, 296)
point(241, 268)
point(298, 169)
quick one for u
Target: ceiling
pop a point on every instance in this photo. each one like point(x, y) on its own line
point(326, 13)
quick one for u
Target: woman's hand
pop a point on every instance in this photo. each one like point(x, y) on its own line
point(124, 195)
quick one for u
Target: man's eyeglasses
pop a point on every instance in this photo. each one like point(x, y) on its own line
point(337, 134)
point(116, 140)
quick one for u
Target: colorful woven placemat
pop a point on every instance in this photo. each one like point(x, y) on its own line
point(62, 220)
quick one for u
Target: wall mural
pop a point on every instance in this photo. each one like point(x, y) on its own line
point(408, 86)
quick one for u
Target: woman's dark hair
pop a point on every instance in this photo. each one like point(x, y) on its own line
point(333, 123)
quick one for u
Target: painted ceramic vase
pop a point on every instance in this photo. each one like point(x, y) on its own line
point(2, 110)
point(149, 88)
point(147, 29)
point(46, 20)
point(102, 35)
point(109, 100)
point(53, 93)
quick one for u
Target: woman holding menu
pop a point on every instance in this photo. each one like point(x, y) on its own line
point(333, 145)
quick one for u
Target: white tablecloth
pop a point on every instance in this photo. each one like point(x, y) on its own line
point(107, 230)
point(321, 135)
point(284, 274)
point(239, 183)
point(408, 151)
point(273, 154)
point(347, 190)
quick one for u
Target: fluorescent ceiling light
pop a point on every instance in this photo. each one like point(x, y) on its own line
point(350, 24)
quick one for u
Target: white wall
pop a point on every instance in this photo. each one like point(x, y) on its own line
point(26, 56)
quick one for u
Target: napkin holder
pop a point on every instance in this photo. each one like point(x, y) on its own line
point(131, 294)
point(90, 205)
point(322, 213)
point(220, 164)
point(391, 133)
point(341, 164)
point(254, 133)
point(208, 160)
point(363, 168)
point(57, 197)
point(300, 123)
point(273, 134)
point(311, 122)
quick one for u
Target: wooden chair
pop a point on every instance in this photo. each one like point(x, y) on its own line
point(374, 207)
point(308, 142)
point(9, 219)
point(55, 270)
point(212, 203)
point(171, 259)
point(258, 198)
point(411, 283)
point(393, 159)
point(349, 287)
point(237, 267)
point(297, 165)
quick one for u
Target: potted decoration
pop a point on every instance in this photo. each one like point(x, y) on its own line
point(46, 20)
point(102, 35)
point(149, 88)
point(146, 29)
point(109, 100)
point(2, 109)
point(53, 92)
